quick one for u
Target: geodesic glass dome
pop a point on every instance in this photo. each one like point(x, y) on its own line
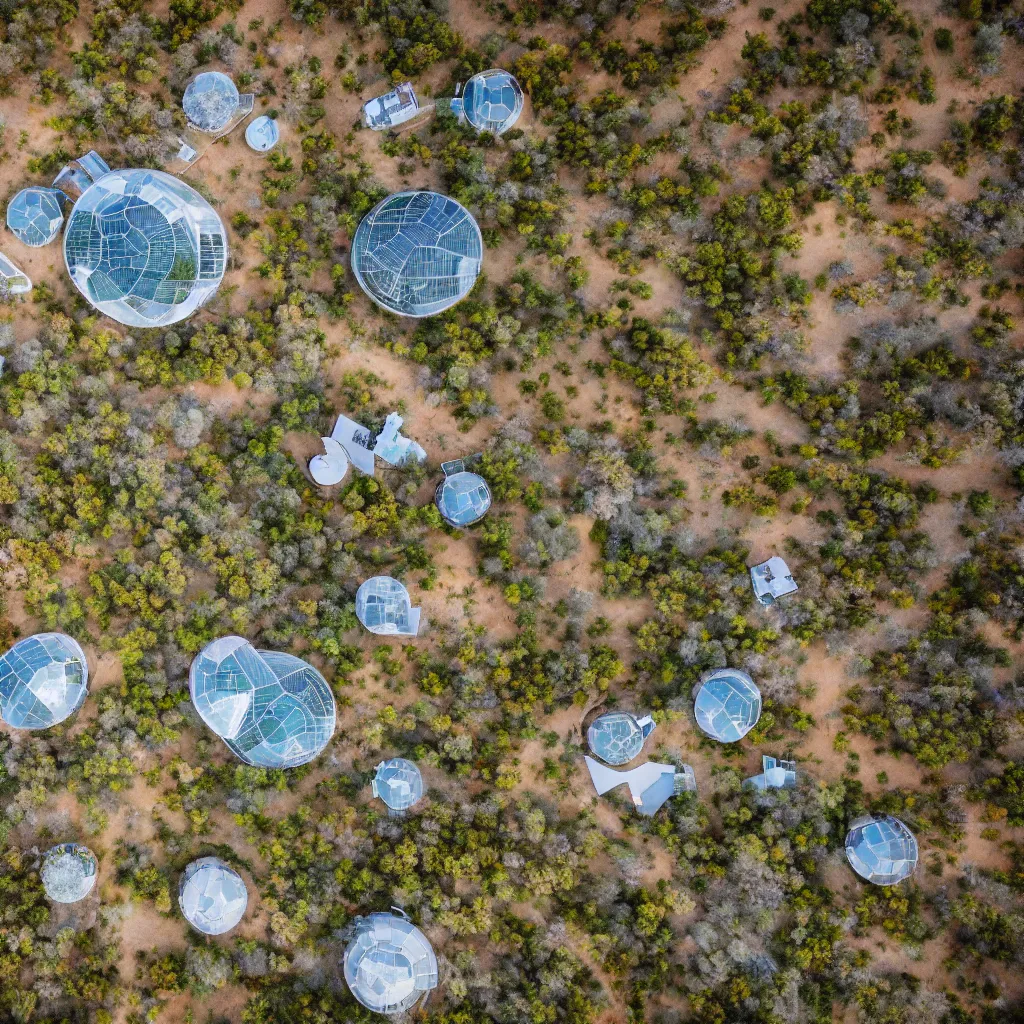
point(212, 896)
point(144, 248)
point(881, 849)
point(463, 498)
point(271, 709)
point(69, 872)
point(492, 101)
point(43, 679)
point(727, 705)
point(389, 963)
point(35, 215)
point(616, 737)
point(398, 783)
point(383, 606)
point(417, 253)
point(210, 101)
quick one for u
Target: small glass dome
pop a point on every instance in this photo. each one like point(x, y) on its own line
point(727, 705)
point(492, 101)
point(262, 134)
point(398, 783)
point(383, 606)
point(881, 849)
point(417, 253)
point(144, 248)
point(35, 215)
point(616, 737)
point(212, 896)
point(389, 963)
point(69, 872)
point(210, 101)
point(463, 498)
point(43, 680)
point(271, 709)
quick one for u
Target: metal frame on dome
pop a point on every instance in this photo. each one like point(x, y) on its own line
point(212, 896)
point(727, 704)
point(616, 737)
point(384, 607)
point(881, 849)
point(272, 709)
point(35, 215)
point(389, 963)
point(462, 497)
point(417, 253)
point(43, 680)
point(492, 101)
point(145, 248)
point(398, 783)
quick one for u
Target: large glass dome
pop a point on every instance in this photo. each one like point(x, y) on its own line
point(212, 896)
point(398, 783)
point(728, 705)
point(389, 963)
point(492, 101)
point(383, 606)
point(43, 679)
point(271, 709)
point(881, 849)
point(463, 498)
point(616, 737)
point(417, 253)
point(69, 872)
point(35, 215)
point(210, 101)
point(144, 248)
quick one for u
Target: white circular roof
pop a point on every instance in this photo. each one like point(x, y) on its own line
point(262, 134)
point(43, 680)
point(212, 896)
point(389, 963)
point(144, 248)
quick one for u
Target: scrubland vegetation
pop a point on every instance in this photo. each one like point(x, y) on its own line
point(751, 286)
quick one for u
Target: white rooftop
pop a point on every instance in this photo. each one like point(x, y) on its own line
point(650, 784)
point(772, 580)
point(391, 109)
point(775, 774)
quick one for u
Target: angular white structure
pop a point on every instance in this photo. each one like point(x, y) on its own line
point(775, 774)
point(351, 442)
point(75, 178)
point(393, 447)
point(417, 253)
point(390, 965)
point(262, 134)
point(384, 607)
point(331, 467)
point(727, 704)
point(399, 784)
point(772, 580)
point(36, 215)
point(881, 849)
point(212, 896)
point(491, 102)
point(43, 680)
point(212, 103)
point(69, 872)
point(392, 109)
point(144, 248)
point(650, 785)
point(15, 280)
point(271, 709)
point(462, 497)
point(616, 737)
